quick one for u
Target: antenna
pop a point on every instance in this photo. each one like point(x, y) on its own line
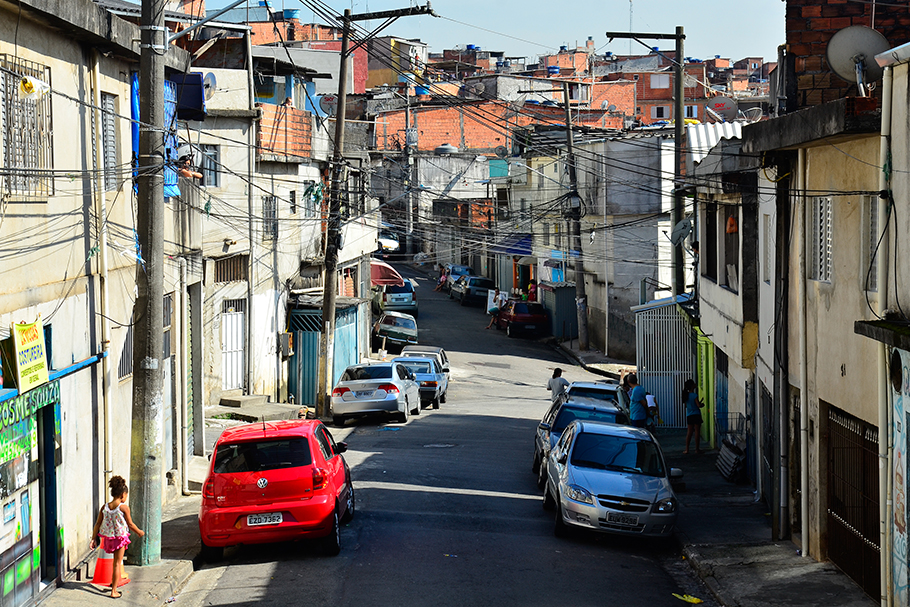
point(208, 85)
point(851, 55)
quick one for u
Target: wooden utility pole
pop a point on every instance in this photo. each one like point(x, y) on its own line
point(333, 221)
point(575, 202)
point(148, 312)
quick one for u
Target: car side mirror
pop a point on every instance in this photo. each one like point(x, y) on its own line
point(445, 369)
point(562, 458)
point(341, 447)
point(544, 426)
point(676, 473)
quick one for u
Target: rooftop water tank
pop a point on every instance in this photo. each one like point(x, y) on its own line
point(563, 49)
point(470, 47)
point(292, 13)
point(421, 90)
point(445, 148)
point(553, 69)
point(507, 63)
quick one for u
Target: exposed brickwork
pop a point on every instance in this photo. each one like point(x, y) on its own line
point(620, 93)
point(284, 132)
point(811, 24)
point(360, 63)
point(648, 97)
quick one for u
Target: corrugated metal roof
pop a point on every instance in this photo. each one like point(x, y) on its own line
point(662, 303)
point(700, 138)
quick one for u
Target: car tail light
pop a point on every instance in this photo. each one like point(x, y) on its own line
point(341, 391)
point(318, 478)
point(429, 384)
point(385, 297)
point(390, 388)
point(209, 490)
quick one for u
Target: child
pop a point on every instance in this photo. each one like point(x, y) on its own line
point(693, 415)
point(113, 525)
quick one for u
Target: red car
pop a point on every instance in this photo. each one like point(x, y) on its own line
point(274, 482)
point(523, 316)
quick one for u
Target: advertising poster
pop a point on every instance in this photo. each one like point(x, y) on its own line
point(31, 360)
point(900, 396)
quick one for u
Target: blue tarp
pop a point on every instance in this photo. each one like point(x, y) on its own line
point(514, 244)
point(170, 138)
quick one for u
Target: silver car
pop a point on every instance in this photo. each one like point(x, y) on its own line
point(432, 381)
point(378, 389)
point(429, 351)
point(609, 478)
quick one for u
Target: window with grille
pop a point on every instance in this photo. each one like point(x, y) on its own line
point(168, 317)
point(309, 199)
point(230, 306)
point(211, 165)
point(109, 140)
point(269, 218)
point(125, 367)
point(870, 268)
point(820, 245)
point(660, 111)
point(26, 129)
point(232, 269)
point(691, 111)
point(293, 198)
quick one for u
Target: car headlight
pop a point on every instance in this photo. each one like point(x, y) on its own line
point(579, 494)
point(664, 506)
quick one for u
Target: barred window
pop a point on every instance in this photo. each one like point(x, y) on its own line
point(232, 269)
point(269, 218)
point(125, 367)
point(821, 246)
point(26, 130)
point(109, 140)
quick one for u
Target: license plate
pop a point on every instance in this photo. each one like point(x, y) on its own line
point(364, 393)
point(530, 326)
point(622, 519)
point(272, 518)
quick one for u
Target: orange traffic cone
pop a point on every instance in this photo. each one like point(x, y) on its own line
point(104, 567)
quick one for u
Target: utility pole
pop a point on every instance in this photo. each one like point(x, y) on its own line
point(409, 236)
point(678, 281)
point(575, 202)
point(333, 221)
point(148, 312)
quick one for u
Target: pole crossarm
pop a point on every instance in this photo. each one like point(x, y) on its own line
point(636, 36)
point(401, 12)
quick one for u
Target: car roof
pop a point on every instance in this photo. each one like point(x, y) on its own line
point(411, 359)
point(589, 427)
point(596, 385)
point(273, 429)
point(433, 349)
point(590, 405)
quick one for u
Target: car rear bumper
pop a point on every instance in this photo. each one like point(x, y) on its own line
point(219, 527)
point(429, 393)
point(407, 308)
point(397, 340)
point(390, 404)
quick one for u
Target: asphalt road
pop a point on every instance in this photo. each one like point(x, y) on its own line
point(448, 512)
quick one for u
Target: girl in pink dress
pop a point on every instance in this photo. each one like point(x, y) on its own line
point(113, 526)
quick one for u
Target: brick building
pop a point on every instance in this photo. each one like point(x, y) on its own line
point(654, 93)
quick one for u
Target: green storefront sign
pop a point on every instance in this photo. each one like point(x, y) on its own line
point(18, 427)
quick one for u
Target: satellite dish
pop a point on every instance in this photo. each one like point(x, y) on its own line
point(725, 107)
point(851, 55)
point(328, 104)
point(612, 108)
point(681, 232)
point(502, 151)
point(604, 104)
point(476, 88)
point(209, 83)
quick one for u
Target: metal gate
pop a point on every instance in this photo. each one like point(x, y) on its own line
point(190, 437)
point(770, 429)
point(232, 337)
point(304, 363)
point(853, 525)
point(665, 357)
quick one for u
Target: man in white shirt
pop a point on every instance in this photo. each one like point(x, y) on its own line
point(557, 384)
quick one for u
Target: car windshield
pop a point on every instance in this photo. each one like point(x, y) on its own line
point(618, 453)
point(388, 236)
point(419, 366)
point(363, 373)
point(567, 415)
point(608, 395)
point(407, 287)
point(262, 455)
point(405, 323)
point(527, 308)
point(482, 282)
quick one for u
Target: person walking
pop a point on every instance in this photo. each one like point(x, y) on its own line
point(532, 290)
point(557, 385)
point(638, 403)
point(113, 526)
point(693, 415)
point(442, 279)
point(499, 300)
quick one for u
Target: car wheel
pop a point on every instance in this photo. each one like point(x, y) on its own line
point(444, 396)
point(560, 529)
point(351, 505)
point(331, 544)
point(211, 554)
point(436, 402)
point(510, 332)
point(548, 502)
point(403, 415)
point(535, 467)
point(338, 420)
point(416, 410)
point(542, 475)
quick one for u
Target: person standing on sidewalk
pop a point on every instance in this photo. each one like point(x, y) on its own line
point(693, 415)
point(113, 526)
point(638, 403)
point(557, 384)
point(499, 300)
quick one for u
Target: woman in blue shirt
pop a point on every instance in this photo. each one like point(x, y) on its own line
point(693, 415)
point(638, 403)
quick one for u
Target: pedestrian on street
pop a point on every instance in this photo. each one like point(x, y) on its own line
point(693, 415)
point(499, 300)
point(557, 384)
point(653, 412)
point(442, 279)
point(113, 526)
point(638, 403)
point(532, 291)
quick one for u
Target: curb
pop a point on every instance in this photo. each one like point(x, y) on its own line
point(706, 573)
point(583, 364)
point(173, 581)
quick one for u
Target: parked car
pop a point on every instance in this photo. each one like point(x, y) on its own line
point(429, 376)
point(422, 351)
point(523, 317)
point(273, 482)
point(395, 328)
point(395, 298)
point(471, 288)
point(389, 241)
point(454, 272)
point(609, 478)
point(560, 415)
point(377, 389)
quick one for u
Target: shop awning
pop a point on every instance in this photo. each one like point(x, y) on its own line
point(527, 260)
point(513, 244)
point(382, 273)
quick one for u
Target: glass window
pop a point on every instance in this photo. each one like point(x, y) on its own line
point(402, 373)
point(211, 165)
point(617, 453)
point(407, 287)
point(365, 373)
point(592, 393)
point(568, 414)
point(323, 443)
point(660, 81)
point(262, 455)
point(418, 367)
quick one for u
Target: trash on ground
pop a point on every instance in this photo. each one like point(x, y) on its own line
point(688, 598)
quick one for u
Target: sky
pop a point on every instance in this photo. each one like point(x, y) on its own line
point(528, 28)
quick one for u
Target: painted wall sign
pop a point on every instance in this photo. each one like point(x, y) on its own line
point(31, 359)
point(900, 398)
point(25, 405)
